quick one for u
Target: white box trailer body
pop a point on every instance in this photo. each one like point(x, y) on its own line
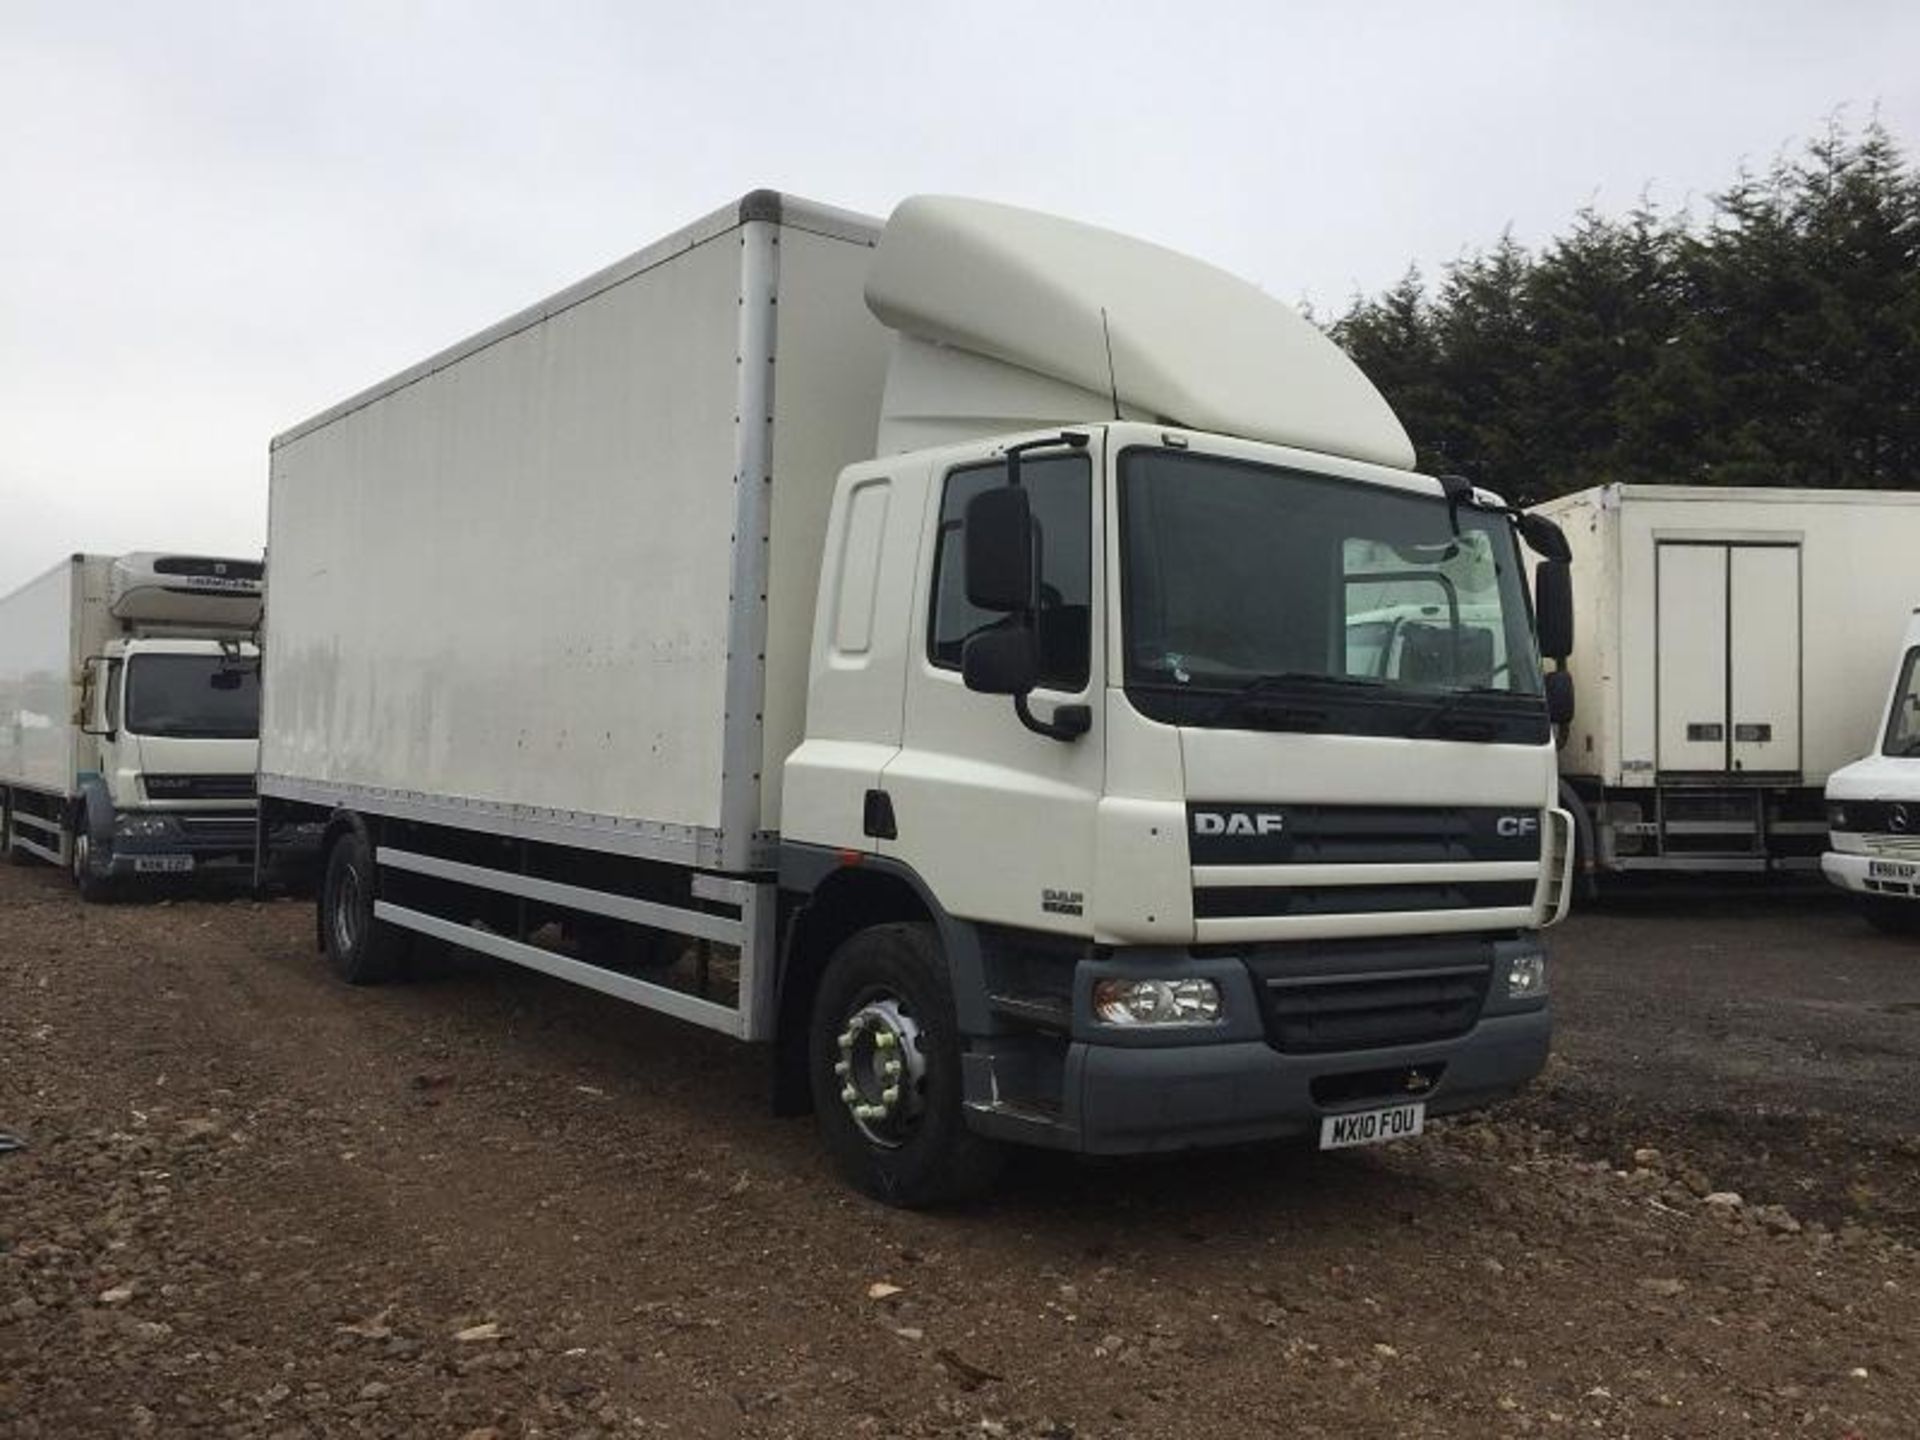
point(86, 782)
point(1731, 655)
point(594, 607)
point(616, 642)
point(48, 628)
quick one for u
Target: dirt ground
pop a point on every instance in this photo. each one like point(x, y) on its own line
point(257, 1203)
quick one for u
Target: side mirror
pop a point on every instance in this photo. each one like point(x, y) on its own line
point(1553, 608)
point(998, 540)
point(1559, 697)
point(1545, 538)
point(1002, 661)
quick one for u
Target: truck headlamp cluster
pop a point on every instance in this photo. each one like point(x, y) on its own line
point(1527, 977)
point(1837, 815)
point(1156, 1002)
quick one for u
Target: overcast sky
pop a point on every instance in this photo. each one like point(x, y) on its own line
point(216, 220)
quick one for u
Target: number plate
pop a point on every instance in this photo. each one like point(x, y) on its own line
point(162, 864)
point(1373, 1127)
point(1892, 870)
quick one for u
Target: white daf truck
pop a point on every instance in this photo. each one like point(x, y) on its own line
point(923, 647)
point(129, 711)
point(1873, 808)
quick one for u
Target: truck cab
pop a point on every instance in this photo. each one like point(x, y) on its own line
point(176, 724)
point(1873, 809)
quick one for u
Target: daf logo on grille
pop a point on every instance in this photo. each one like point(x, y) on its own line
point(1237, 822)
point(1897, 820)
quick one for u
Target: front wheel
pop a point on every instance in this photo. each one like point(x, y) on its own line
point(884, 1062)
point(361, 949)
point(88, 867)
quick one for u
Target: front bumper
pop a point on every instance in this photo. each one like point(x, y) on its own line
point(187, 842)
point(1899, 880)
point(1105, 1090)
point(1138, 1100)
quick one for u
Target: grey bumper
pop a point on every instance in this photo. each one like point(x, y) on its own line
point(1135, 1100)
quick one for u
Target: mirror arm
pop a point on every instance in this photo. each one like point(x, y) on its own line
point(1069, 722)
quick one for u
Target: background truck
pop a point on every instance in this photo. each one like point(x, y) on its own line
point(1873, 807)
point(129, 711)
point(1732, 656)
point(923, 648)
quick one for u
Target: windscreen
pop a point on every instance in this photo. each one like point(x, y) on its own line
point(1903, 723)
point(193, 697)
point(1258, 596)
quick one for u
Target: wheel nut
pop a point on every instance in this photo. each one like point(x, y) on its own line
point(846, 1040)
point(885, 1040)
point(889, 1095)
point(849, 1095)
point(842, 1069)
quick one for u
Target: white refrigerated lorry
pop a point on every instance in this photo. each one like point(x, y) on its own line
point(1873, 807)
point(924, 647)
point(129, 711)
point(1732, 656)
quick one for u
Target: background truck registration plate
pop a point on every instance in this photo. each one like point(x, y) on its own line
point(162, 864)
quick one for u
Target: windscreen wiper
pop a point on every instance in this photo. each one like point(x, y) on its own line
point(1265, 688)
point(1431, 722)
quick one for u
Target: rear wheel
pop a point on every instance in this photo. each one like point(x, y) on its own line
point(884, 1062)
point(1895, 917)
point(361, 949)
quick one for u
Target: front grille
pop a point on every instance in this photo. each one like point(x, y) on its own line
point(1365, 995)
point(199, 787)
point(217, 832)
point(1236, 902)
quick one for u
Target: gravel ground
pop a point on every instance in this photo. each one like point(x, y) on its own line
point(256, 1203)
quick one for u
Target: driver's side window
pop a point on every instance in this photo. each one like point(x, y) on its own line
point(1060, 492)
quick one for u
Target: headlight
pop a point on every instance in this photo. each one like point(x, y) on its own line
point(1156, 1002)
point(1527, 977)
point(143, 827)
point(1837, 815)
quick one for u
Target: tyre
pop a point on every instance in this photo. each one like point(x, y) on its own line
point(1895, 917)
point(88, 867)
point(884, 1064)
point(361, 949)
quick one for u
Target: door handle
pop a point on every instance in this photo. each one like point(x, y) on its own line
point(1751, 734)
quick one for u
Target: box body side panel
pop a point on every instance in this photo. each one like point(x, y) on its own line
point(507, 581)
point(48, 628)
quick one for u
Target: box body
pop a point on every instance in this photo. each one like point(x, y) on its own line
point(48, 628)
point(563, 574)
point(1732, 635)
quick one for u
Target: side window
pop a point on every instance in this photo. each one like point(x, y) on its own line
point(114, 669)
point(1060, 490)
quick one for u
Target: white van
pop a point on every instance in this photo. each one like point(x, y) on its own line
point(1873, 809)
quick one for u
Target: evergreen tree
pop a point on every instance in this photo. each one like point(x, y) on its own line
point(1778, 343)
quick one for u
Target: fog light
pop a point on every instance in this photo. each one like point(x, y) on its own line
point(1527, 977)
point(1156, 1002)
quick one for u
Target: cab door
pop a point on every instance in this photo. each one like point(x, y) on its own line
point(997, 820)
